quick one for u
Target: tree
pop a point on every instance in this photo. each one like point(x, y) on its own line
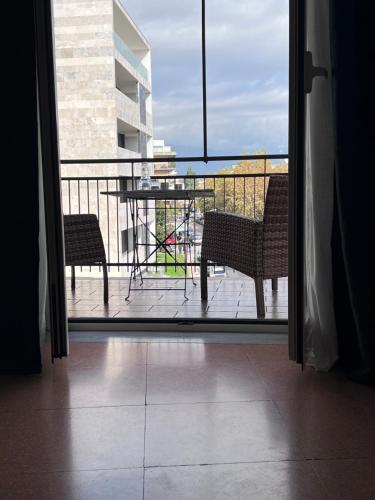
point(189, 183)
point(240, 191)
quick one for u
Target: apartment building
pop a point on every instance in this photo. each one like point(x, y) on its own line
point(161, 150)
point(104, 91)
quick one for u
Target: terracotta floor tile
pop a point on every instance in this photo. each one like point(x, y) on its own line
point(196, 292)
point(77, 387)
point(286, 380)
point(118, 302)
point(223, 293)
point(195, 301)
point(258, 481)
point(126, 484)
point(217, 433)
point(207, 315)
point(193, 354)
point(320, 417)
point(52, 440)
point(144, 299)
point(244, 302)
point(90, 314)
point(230, 286)
point(222, 382)
point(72, 301)
point(187, 308)
point(267, 353)
point(109, 311)
point(120, 295)
point(172, 300)
point(83, 306)
point(224, 301)
point(252, 314)
point(347, 479)
point(216, 304)
point(124, 313)
point(330, 427)
point(105, 355)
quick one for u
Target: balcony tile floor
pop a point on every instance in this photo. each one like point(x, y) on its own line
point(154, 420)
point(231, 297)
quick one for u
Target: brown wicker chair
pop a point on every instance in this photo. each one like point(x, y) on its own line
point(84, 245)
point(256, 248)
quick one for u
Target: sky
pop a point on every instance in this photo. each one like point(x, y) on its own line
point(247, 73)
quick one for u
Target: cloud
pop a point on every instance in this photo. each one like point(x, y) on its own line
point(247, 72)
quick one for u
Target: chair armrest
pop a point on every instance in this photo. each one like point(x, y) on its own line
point(233, 240)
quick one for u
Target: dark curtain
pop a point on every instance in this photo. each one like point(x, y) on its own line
point(353, 53)
point(19, 348)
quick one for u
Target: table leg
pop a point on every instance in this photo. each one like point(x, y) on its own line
point(136, 242)
point(133, 268)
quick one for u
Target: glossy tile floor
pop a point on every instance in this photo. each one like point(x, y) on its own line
point(232, 297)
point(185, 421)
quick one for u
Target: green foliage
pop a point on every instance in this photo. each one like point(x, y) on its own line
point(165, 219)
point(238, 194)
point(189, 183)
point(173, 271)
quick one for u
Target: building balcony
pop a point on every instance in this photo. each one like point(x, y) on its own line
point(125, 56)
point(231, 295)
point(129, 112)
point(127, 153)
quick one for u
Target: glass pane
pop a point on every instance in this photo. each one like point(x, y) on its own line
point(247, 76)
point(128, 74)
point(173, 31)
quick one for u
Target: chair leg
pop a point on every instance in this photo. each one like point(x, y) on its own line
point(259, 294)
point(105, 279)
point(73, 278)
point(203, 279)
point(275, 285)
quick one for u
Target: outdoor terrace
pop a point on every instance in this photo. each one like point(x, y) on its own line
point(231, 295)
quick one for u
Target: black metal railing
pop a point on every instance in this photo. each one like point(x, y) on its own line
point(240, 193)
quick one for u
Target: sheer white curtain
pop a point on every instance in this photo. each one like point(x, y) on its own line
point(320, 330)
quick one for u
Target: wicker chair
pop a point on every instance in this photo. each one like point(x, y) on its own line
point(84, 245)
point(256, 248)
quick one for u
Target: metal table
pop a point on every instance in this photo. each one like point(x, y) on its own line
point(135, 197)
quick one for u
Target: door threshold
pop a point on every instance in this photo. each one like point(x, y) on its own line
point(179, 337)
point(105, 325)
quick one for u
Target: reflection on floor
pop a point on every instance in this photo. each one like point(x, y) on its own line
point(186, 421)
point(232, 297)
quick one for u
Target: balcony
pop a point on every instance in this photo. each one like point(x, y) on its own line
point(127, 109)
point(129, 112)
point(126, 153)
point(231, 294)
point(129, 56)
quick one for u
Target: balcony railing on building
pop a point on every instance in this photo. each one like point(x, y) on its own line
point(129, 55)
point(240, 191)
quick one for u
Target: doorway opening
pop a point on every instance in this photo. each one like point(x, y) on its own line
point(192, 99)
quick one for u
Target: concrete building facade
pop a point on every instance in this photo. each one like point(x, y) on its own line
point(104, 93)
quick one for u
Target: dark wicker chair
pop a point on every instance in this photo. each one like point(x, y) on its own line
point(84, 245)
point(256, 248)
